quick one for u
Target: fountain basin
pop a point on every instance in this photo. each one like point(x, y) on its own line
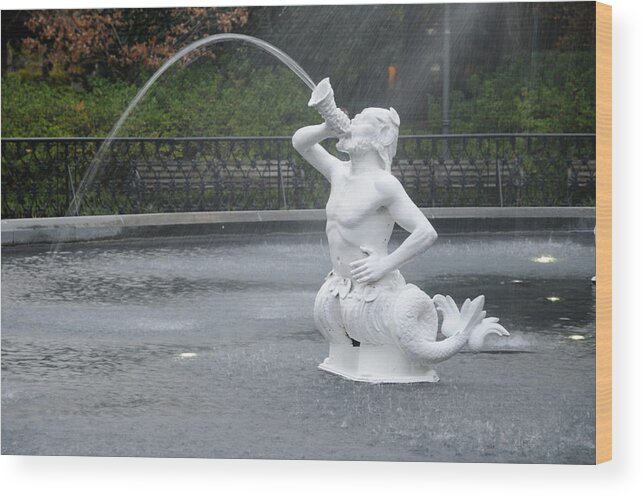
point(205, 346)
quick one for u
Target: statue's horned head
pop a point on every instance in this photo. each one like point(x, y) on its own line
point(384, 127)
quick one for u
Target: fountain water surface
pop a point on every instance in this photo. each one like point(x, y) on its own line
point(138, 349)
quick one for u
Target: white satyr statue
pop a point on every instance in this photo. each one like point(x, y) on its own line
point(380, 328)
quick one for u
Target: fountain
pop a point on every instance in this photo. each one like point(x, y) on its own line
point(380, 328)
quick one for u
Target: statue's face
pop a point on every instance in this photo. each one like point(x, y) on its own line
point(365, 125)
point(364, 133)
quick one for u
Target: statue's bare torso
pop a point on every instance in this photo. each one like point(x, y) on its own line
point(356, 217)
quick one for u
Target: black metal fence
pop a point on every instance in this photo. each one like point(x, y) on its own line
point(41, 176)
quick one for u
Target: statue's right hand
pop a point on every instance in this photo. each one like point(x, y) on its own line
point(338, 122)
point(323, 100)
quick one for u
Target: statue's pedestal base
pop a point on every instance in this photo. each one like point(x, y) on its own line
point(375, 364)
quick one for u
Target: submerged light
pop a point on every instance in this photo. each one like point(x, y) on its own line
point(544, 259)
point(187, 355)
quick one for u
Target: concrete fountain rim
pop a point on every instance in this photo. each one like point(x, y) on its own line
point(99, 227)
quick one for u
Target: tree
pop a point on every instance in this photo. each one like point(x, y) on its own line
point(120, 43)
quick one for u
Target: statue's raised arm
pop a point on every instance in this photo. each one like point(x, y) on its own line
point(306, 141)
point(336, 125)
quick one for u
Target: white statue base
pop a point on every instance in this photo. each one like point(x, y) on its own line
point(375, 364)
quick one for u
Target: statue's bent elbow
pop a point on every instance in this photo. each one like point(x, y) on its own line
point(297, 141)
point(428, 236)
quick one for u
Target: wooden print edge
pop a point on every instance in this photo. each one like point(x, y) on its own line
point(603, 232)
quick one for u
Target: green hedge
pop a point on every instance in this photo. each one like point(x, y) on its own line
point(194, 101)
point(544, 92)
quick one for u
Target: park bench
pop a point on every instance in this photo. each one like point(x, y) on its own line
point(166, 175)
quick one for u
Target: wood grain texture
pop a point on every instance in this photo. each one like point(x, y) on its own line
point(603, 232)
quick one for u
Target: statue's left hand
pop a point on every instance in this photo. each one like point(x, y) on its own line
point(369, 269)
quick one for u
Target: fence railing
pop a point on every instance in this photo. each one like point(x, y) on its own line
point(40, 176)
